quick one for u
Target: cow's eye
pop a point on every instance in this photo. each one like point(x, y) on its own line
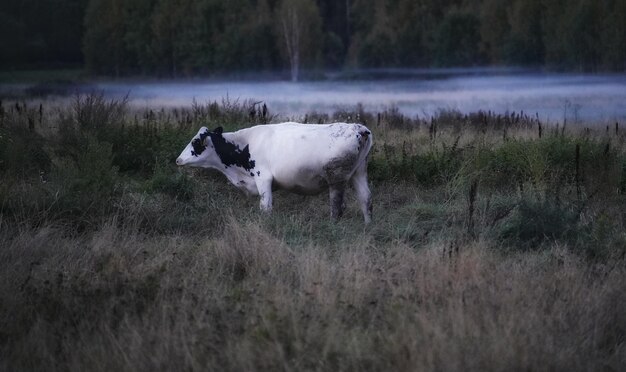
point(198, 146)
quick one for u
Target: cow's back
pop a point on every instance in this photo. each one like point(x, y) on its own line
point(308, 156)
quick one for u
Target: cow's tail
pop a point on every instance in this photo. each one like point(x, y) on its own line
point(366, 140)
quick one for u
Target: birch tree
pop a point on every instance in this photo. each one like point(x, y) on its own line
point(300, 31)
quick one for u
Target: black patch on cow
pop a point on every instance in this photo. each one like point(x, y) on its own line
point(198, 144)
point(230, 153)
point(258, 173)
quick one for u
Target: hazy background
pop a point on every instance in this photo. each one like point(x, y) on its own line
point(577, 98)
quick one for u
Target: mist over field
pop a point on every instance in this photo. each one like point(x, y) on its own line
point(578, 98)
point(596, 98)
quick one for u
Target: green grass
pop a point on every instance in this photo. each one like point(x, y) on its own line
point(487, 252)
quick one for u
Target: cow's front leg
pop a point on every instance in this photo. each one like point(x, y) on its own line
point(265, 191)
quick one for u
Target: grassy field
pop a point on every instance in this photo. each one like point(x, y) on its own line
point(498, 243)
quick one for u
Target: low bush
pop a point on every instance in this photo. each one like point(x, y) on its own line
point(436, 166)
point(553, 164)
point(173, 183)
point(535, 222)
point(23, 149)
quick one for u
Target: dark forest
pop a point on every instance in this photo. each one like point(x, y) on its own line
point(179, 38)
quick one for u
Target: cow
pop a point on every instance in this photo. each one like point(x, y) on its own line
point(302, 158)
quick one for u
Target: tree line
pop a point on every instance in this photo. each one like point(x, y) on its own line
point(211, 37)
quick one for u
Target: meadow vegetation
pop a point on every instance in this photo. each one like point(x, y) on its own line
point(498, 243)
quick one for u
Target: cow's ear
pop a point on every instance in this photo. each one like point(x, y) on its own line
point(218, 130)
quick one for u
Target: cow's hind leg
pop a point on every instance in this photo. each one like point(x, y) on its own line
point(336, 200)
point(359, 182)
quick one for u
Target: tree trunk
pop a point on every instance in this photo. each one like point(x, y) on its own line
point(291, 30)
point(295, 67)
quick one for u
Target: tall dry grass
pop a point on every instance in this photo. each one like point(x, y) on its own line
point(118, 299)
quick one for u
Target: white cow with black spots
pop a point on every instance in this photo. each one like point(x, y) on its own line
point(302, 158)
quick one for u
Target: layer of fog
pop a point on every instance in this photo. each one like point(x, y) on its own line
point(580, 98)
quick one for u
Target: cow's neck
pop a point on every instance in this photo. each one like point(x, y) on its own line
point(230, 166)
point(235, 174)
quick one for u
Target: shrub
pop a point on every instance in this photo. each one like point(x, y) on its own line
point(436, 166)
point(86, 184)
point(176, 184)
point(90, 115)
point(606, 239)
point(22, 150)
point(550, 164)
point(504, 166)
point(94, 112)
point(537, 221)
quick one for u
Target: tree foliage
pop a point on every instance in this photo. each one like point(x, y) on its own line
point(205, 37)
point(35, 33)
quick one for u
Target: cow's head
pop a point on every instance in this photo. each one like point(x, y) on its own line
point(200, 152)
point(211, 150)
